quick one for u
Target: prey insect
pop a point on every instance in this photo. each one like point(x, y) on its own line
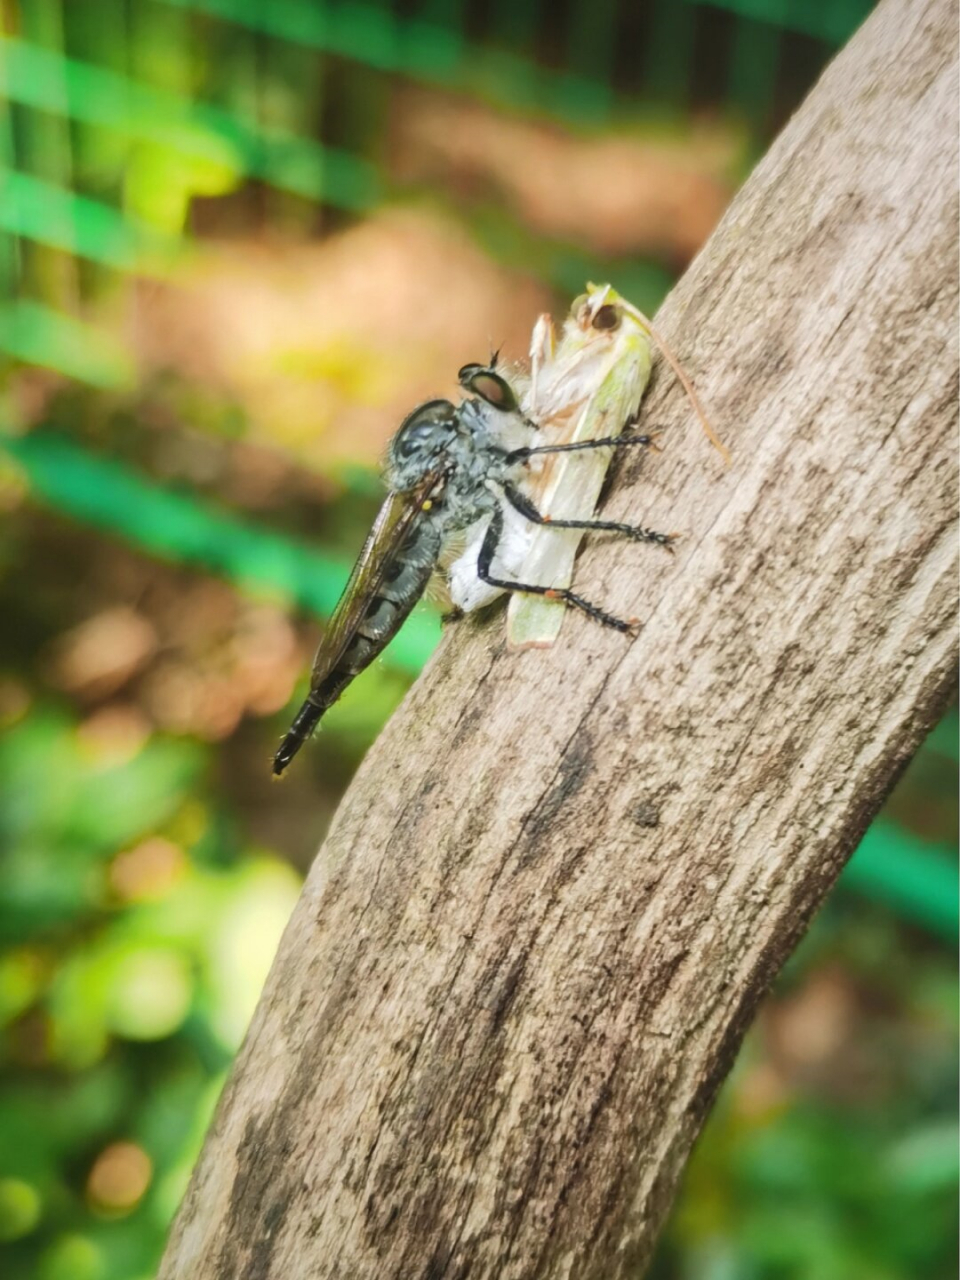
point(456, 475)
point(586, 385)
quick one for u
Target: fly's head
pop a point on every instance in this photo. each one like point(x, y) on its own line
point(421, 444)
point(495, 410)
point(484, 381)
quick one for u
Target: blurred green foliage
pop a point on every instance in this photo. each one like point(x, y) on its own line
point(833, 1150)
point(109, 496)
point(146, 867)
point(136, 932)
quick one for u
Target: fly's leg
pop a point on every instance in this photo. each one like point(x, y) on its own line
point(488, 550)
point(606, 442)
point(520, 502)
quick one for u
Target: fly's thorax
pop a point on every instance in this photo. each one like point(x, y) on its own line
point(478, 465)
point(494, 429)
point(468, 497)
point(469, 443)
point(420, 444)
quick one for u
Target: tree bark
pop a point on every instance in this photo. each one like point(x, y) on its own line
point(561, 881)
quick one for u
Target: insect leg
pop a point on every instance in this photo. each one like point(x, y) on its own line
point(488, 550)
point(543, 343)
point(520, 502)
point(607, 442)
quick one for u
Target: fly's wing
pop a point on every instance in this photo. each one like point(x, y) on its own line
point(398, 515)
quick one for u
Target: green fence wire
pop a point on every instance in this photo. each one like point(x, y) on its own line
point(60, 95)
point(47, 80)
point(39, 335)
point(114, 498)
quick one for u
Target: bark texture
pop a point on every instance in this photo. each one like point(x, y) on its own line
point(561, 881)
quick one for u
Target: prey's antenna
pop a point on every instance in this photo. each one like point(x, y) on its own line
point(677, 368)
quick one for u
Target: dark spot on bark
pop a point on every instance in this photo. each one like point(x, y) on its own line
point(660, 974)
point(259, 1264)
point(259, 1201)
point(388, 1180)
point(570, 865)
point(603, 1096)
point(466, 728)
point(574, 770)
point(459, 848)
point(647, 814)
point(502, 999)
point(379, 1224)
point(439, 1266)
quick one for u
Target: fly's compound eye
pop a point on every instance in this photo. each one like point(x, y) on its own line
point(489, 386)
point(425, 430)
point(607, 317)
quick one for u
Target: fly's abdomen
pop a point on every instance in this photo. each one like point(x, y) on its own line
point(404, 581)
point(307, 718)
point(401, 585)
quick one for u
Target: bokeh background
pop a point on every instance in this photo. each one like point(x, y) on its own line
point(238, 240)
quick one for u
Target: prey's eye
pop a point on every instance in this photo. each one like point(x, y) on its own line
point(425, 429)
point(483, 382)
point(608, 317)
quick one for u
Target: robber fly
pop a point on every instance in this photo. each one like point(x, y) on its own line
point(450, 471)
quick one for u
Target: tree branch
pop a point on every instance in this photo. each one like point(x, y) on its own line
point(561, 881)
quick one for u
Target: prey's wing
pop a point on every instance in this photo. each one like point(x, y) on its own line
point(398, 515)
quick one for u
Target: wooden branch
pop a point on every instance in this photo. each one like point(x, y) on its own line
point(561, 881)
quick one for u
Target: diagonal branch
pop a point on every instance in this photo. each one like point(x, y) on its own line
point(561, 881)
